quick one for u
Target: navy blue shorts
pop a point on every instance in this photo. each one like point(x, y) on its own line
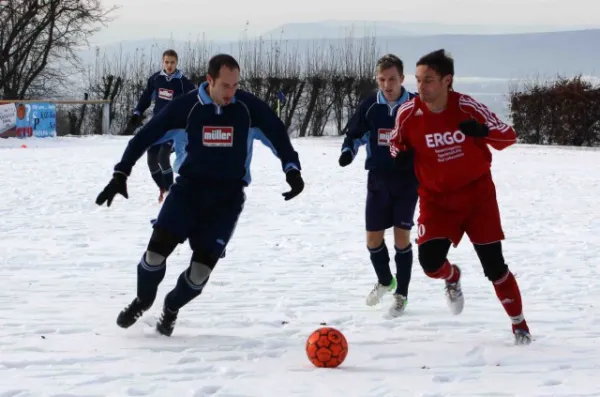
point(204, 215)
point(390, 202)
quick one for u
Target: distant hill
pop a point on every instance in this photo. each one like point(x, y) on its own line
point(339, 29)
point(524, 55)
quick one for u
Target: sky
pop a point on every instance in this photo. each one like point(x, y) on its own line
point(227, 20)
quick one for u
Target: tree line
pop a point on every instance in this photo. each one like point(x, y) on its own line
point(319, 87)
point(565, 111)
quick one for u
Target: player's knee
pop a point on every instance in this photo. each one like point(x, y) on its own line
point(165, 163)
point(494, 267)
point(401, 237)
point(432, 255)
point(495, 271)
point(152, 158)
point(161, 245)
point(375, 239)
point(199, 272)
point(154, 259)
point(207, 258)
point(492, 261)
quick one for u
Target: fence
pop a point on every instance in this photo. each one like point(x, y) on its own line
point(105, 107)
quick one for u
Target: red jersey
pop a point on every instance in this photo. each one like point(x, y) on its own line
point(445, 159)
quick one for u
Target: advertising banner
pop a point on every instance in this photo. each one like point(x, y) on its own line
point(42, 119)
point(8, 118)
point(24, 120)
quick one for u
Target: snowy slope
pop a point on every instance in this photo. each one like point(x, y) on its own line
point(67, 267)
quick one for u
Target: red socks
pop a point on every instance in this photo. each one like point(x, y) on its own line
point(447, 272)
point(507, 291)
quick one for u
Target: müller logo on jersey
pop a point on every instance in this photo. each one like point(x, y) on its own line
point(438, 139)
point(383, 136)
point(217, 136)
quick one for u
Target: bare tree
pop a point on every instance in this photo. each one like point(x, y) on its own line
point(38, 40)
point(322, 81)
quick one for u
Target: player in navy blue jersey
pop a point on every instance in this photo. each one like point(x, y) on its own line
point(162, 87)
point(391, 185)
point(207, 198)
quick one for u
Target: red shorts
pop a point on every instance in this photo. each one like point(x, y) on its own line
point(472, 210)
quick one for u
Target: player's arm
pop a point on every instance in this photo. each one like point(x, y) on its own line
point(146, 98)
point(356, 131)
point(399, 139)
point(180, 141)
point(270, 130)
point(143, 103)
point(173, 116)
point(158, 130)
point(486, 124)
point(187, 84)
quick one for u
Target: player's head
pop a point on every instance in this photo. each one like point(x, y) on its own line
point(390, 76)
point(223, 78)
point(169, 61)
point(435, 72)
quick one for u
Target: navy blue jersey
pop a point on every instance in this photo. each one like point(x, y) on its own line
point(219, 138)
point(162, 88)
point(371, 125)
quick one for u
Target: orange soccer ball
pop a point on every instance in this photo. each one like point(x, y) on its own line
point(326, 347)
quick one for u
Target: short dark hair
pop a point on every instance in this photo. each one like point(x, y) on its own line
point(170, 53)
point(440, 61)
point(218, 61)
point(390, 61)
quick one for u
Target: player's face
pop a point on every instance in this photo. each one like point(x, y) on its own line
point(169, 64)
point(223, 88)
point(430, 84)
point(390, 83)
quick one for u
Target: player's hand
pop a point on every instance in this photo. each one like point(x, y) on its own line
point(118, 184)
point(294, 179)
point(345, 158)
point(474, 128)
point(161, 197)
point(134, 122)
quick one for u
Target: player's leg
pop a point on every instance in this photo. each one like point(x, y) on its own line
point(404, 205)
point(154, 166)
point(170, 229)
point(438, 229)
point(378, 218)
point(506, 287)
point(208, 243)
point(164, 159)
point(484, 228)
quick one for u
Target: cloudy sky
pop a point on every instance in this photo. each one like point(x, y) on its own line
point(227, 19)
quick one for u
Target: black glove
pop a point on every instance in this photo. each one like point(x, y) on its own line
point(134, 122)
point(118, 184)
point(346, 158)
point(294, 179)
point(474, 128)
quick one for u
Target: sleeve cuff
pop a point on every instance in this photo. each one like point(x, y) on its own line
point(123, 169)
point(291, 166)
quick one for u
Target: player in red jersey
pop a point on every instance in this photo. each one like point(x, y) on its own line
point(449, 133)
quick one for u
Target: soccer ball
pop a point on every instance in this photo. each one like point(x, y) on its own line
point(326, 347)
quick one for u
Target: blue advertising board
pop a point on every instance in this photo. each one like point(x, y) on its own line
point(36, 119)
point(42, 118)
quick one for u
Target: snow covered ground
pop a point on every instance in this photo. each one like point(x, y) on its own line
point(67, 267)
